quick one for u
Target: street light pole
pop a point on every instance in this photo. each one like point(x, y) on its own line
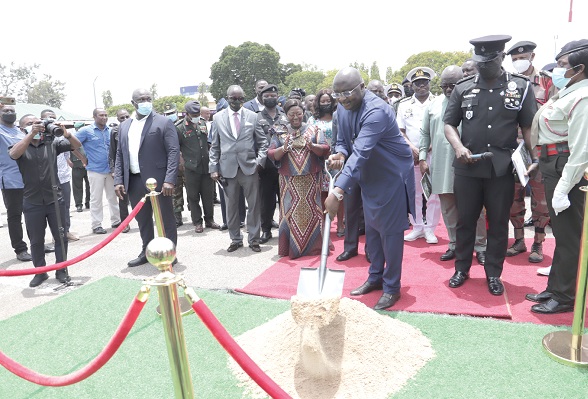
point(94, 85)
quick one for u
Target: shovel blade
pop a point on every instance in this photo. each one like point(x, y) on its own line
point(309, 283)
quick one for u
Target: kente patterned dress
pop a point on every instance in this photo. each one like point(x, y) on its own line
point(301, 216)
point(326, 129)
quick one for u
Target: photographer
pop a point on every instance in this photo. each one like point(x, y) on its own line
point(35, 156)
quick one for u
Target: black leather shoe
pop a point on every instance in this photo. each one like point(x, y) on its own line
point(495, 285)
point(448, 255)
point(49, 248)
point(62, 276)
point(178, 217)
point(234, 246)
point(38, 280)
point(552, 306)
point(99, 230)
point(367, 256)
point(224, 227)
point(346, 255)
point(366, 288)
point(481, 257)
point(24, 256)
point(361, 231)
point(265, 237)
point(540, 297)
point(386, 301)
point(275, 225)
point(138, 261)
point(255, 247)
point(79, 208)
point(458, 279)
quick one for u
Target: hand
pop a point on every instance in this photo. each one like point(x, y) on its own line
point(464, 155)
point(560, 202)
point(119, 189)
point(167, 189)
point(424, 167)
point(415, 154)
point(331, 205)
point(532, 170)
point(214, 176)
point(336, 161)
point(38, 127)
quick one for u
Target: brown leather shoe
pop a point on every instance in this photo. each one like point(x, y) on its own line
point(536, 255)
point(213, 225)
point(199, 228)
point(518, 247)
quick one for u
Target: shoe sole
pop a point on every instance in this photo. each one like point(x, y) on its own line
point(412, 239)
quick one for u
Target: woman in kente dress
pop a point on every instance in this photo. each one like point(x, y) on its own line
point(299, 150)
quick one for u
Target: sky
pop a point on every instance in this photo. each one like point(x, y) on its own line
point(124, 45)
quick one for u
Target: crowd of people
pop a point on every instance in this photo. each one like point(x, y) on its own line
point(407, 157)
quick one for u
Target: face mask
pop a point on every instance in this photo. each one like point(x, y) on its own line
point(270, 102)
point(173, 117)
point(408, 91)
point(194, 120)
point(9, 118)
point(144, 108)
point(28, 129)
point(489, 70)
point(521, 65)
point(325, 108)
point(558, 78)
point(235, 105)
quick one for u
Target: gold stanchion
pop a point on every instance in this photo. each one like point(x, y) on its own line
point(571, 348)
point(153, 195)
point(161, 253)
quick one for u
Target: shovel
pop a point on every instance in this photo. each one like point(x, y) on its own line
point(322, 282)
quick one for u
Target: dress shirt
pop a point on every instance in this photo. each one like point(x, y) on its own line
point(9, 173)
point(135, 131)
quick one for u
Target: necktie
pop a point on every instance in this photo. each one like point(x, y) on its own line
point(237, 122)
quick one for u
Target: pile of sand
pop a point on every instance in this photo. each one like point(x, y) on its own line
point(334, 348)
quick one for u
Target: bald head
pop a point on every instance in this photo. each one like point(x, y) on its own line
point(347, 79)
point(451, 74)
point(141, 94)
point(469, 68)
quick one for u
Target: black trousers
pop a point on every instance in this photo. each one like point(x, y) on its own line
point(354, 219)
point(36, 219)
point(269, 187)
point(13, 202)
point(66, 194)
point(199, 187)
point(242, 207)
point(471, 194)
point(567, 230)
point(144, 218)
point(79, 179)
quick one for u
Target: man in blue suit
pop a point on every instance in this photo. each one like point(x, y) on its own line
point(147, 147)
point(376, 157)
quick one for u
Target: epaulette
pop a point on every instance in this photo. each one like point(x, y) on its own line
point(404, 99)
point(465, 79)
point(518, 75)
point(179, 122)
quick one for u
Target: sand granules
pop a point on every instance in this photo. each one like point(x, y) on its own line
point(334, 348)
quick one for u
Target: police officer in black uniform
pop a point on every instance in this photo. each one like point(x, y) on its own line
point(268, 176)
point(490, 106)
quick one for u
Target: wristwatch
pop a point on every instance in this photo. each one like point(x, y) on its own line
point(337, 195)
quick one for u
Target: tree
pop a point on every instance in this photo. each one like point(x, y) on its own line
point(15, 81)
point(202, 99)
point(107, 99)
point(389, 75)
point(153, 91)
point(330, 76)
point(310, 81)
point(244, 65)
point(47, 92)
point(375, 72)
point(436, 60)
point(112, 110)
point(178, 100)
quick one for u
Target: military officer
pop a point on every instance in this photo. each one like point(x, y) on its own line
point(268, 176)
point(170, 110)
point(193, 138)
point(522, 56)
point(490, 106)
point(394, 93)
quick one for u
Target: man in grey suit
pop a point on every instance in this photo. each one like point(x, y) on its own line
point(147, 147)
point(238, 150)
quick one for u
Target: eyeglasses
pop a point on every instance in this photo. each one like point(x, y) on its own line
point(237, 98)
point(345, 94)
point(448, 86)
point(420, 82)
point(123, 117)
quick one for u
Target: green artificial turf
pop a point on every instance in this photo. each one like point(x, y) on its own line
point(475, 358)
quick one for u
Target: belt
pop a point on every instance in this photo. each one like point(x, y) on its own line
point(546, 150)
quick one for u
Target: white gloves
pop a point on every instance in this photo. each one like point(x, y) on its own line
point(560, 201)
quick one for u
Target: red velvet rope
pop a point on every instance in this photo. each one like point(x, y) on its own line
point(91, 251)
point(231, 346)
point(115, 342)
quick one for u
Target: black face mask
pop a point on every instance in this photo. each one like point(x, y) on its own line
point(325, 109)
point(489, 70)
point(9, 118)
point(270, 102)
point(235, 105)
point(408, 91)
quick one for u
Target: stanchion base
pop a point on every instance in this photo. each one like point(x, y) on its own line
point(558, 345)
point(185, 307)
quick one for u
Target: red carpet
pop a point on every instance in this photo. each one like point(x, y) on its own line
point(424, 282)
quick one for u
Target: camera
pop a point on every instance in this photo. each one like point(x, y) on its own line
point(51, 129)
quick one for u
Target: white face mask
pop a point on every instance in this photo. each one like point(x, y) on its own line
point(29, 129)
point(521, 65)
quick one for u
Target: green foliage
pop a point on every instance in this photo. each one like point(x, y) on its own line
point(179, 100)
point(436, 60)
point(153, 91)
point(375, 72)
point(15, 81)
point(389, 75)
point(289, 69)
point(107, 99)
point(310, 81)
point(328, 80)
point(47, 92)
point(244, 65)
point(202, 99)
point(112, 110)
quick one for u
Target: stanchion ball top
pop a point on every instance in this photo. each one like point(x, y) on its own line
point(161, 252)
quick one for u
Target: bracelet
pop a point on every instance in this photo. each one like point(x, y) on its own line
point(535, 161)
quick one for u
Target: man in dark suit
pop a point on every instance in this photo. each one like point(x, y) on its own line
point(256, 103)
point(238, 150)
point(147, 148)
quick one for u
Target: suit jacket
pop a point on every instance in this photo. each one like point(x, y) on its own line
point(251, 105)
point(228, 153)
point(159, 152)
